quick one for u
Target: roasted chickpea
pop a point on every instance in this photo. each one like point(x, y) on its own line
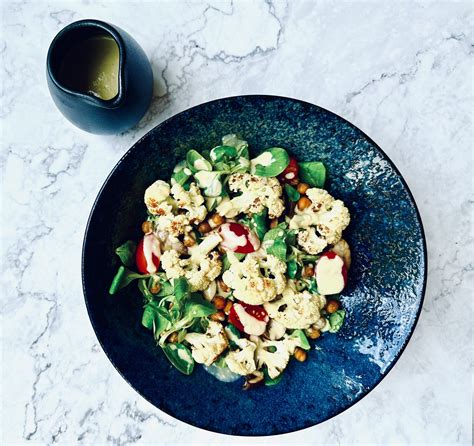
point(188, 241)
point(155, 288)
point(204, 227)
point(332, 306)
point(302, 188)
point(300, 354)
point(228, 307)
point(308, 271)
point(219, 302)
point(303, 203)
point(273, 223)
point(173, 337)
point(313, 333)
point(223, 286)
point(218, 317)
point(147, 227)
point(216, 220)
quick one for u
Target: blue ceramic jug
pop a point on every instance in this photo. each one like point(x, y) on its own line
point(87, 110)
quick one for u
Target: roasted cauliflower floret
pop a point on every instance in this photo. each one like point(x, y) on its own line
point(157, 198)
point(192, 201)
point(310, 241)
point(206, 347)
point(201, 268)
point(257, 193)
point(296, 310)
point(174, 208)
point(257, 279)
point(242, 361)
point(322, 223)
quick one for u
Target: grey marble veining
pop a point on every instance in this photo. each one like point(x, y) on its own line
point(401, 71)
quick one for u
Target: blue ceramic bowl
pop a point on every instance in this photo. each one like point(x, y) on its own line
point(383, 298)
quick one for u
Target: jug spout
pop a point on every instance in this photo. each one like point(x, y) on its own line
point(99, 77)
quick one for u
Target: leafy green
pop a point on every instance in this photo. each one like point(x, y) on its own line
point(123, 277)
point(210, 182)
point(181, 289)
point(292, 268)
point(196, 162)
point(239, 144)
point(180, 356)
point(275, 241)
point(155, 318)
point(143, 287)
point(271, 381)
point(292, 193)
point(226, 263)
point(313, 173)
point(270, 163)
point(196, 306)
point(223, 153)
point(257, 222)
point(301, 337)
point(233, 335)
point(126, 252)
point(336, 320)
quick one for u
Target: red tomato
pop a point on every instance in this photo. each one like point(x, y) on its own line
point(256, 311)
point(238, 238)
point(151, 244)
point(290, 173)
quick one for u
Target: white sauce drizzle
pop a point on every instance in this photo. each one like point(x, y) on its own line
point(252, 325)
point(151, 246)
point(329, 275)
point(200, 164)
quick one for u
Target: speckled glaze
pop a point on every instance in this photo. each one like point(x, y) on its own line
point(383, 298)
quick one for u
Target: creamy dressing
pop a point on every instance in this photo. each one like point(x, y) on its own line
point(232, 241)
point(252, 326)
point(265, 159)
point(183, 355)
point(151, 247)
point(209, 181)
point(223, 374)
point(201, 164)
point(329, 276)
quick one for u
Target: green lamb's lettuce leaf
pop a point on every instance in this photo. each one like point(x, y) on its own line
point(226, 263)
point(126, 252)
point(123, 277)
point(180, 356)
point(181, 289)
point(240, 145)
point(336, 320)
point(210, 182)
point(292, 193)
point(313, 173)
point(196, 162)
point(196, 306)
point(155, 318)
point(271, 381)
point(257, 223)
point(275, 241)
point(292, 268)
point(223, 154)
point(301, 338)
point(181, 173)
point(270, 163)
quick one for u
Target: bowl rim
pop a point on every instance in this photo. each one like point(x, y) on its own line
point(386, 158)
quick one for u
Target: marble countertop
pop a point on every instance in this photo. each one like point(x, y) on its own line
point(401, 71)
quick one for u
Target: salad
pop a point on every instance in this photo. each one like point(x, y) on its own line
point(242, 260)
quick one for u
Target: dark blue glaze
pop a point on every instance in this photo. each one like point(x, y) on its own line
point(383, 298)
point(86, 111)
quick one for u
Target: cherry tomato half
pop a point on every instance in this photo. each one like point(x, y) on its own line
point(148, 246)
point(238, 238)
point(290, 173)
point(257, 312)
